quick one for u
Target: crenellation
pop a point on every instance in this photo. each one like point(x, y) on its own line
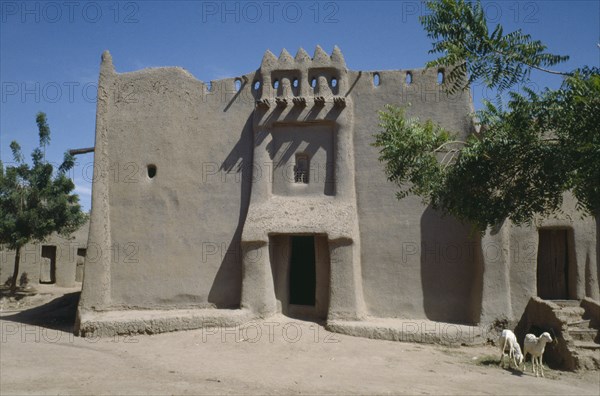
point(269, 61)
point(302, 56)
point(337, 59)
point(300, 73)
point(285, 60)
point(320, 58)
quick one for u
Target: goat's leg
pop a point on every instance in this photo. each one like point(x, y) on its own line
point(532, 363)
point(541, 366)
point(515, 360)
point(502, 356)
point(514, 357)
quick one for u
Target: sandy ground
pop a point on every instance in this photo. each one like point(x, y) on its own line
point(276, 356)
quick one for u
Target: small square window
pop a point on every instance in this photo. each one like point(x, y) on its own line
point(301, 169)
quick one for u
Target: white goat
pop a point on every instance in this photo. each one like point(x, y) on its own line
point(535, 347)
point(508, 339)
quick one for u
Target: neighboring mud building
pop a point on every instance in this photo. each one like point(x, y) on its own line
point(58, 260)
point(262, 194)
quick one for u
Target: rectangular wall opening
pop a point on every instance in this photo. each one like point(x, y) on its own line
point(81, 252)
point(303, 277)
point(554, 254)
point(48, 267)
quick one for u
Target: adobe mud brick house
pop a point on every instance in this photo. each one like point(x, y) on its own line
point(262, 194)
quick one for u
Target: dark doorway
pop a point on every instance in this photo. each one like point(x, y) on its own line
point(48, 268)
point(79, 265)
point(302, 271)
point(553, 264)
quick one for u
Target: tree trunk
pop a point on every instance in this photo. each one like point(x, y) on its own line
point(13, 283)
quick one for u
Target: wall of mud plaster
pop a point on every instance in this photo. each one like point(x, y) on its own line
point(36, 260)
point(415, 262)
point(194, 196)
point(511, 262)
point(582, 265)
point(176, 229)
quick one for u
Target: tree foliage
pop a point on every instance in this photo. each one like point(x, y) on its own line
point(461, 34)
point(36, 201)
point(527, 153)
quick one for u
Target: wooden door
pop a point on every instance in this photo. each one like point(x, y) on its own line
point(553, 264)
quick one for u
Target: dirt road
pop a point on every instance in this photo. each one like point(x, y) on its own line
point(277, 356)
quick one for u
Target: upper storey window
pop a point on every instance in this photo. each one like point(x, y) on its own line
point(301, 169)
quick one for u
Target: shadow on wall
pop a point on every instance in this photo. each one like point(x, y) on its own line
point(225, 292)
point(451, 269)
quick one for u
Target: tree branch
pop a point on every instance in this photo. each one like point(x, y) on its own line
point(449, 142)
point(533, 66)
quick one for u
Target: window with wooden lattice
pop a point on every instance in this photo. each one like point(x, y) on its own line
point(301, 169)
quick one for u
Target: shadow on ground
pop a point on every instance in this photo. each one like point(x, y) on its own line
point(493, 361)
point(58, 314)
point(19, 294)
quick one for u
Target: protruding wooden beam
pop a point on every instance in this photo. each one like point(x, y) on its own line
point(81, 151)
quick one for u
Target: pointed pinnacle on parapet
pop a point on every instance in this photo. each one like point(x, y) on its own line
point(321, 58)
point(285, 59)
point(269, 60)
point(106, 64)
point(302, 56)
point(337, 58)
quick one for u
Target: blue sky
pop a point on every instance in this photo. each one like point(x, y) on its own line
point(50, 50)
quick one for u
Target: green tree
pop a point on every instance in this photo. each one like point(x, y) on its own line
point(528, 152)
point(36, 201)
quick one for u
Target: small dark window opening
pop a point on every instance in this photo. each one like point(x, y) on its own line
point(313, 83)
point(408, 79)
point(276, 84)
point(376, 79)
point(256, 85)
point(334, 82)
point(238, 84)
point(301, 169)
point(440, 77)
point(151, 171)
point(295, 83)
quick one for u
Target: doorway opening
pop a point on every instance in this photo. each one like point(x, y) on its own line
point(48, 267)
point(301, 270)
point(81, 252)
point(555, 252)
point(303, 274)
